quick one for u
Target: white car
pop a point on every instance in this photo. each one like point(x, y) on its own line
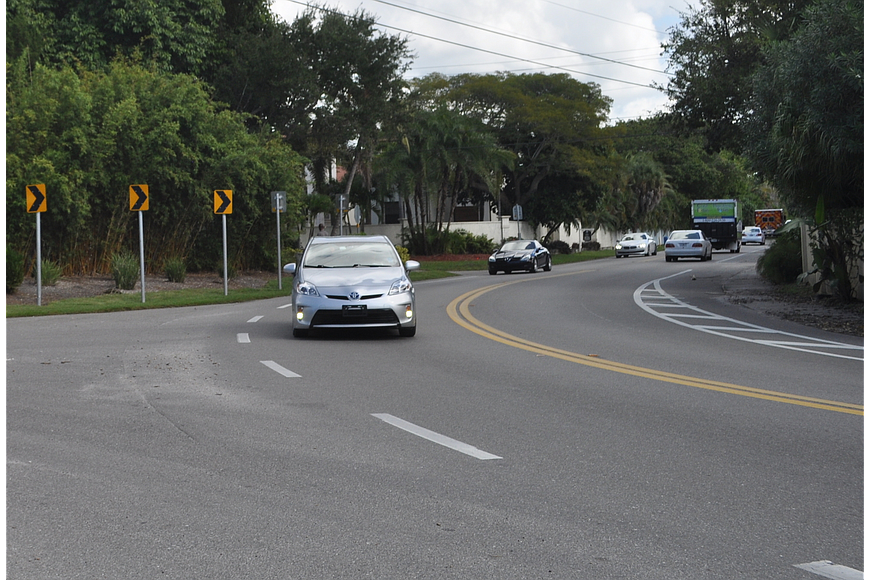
point(638, 244)
point(688, 244)
point(753, 235)
point(352, 282)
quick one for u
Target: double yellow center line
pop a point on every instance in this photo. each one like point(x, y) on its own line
point(459, 311)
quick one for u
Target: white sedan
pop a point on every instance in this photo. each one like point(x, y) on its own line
point(688, 244)
point(640, 244)
point(752, 235)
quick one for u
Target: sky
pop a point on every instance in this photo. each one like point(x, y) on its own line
point(613, 43)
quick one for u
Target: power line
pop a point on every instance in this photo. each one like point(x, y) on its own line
point(509, 56)
point(514, 37)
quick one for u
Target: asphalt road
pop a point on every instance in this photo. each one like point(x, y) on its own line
point(611, 419)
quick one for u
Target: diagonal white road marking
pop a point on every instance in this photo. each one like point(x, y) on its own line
point(435, 437)
point(660, 304)
point(279, 369)
point(828, 569)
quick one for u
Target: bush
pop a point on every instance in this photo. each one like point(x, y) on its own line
point(559, 247)
point(446, 242)
point(404, 254)
point(591, 246)
point(125, 270)
point(781, 264)
point(176, 270)
point(14, 269)
point(51, 273)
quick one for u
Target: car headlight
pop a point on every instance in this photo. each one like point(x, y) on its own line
point(306, 289)
point(526, 258)
point(492, 258)
point(400, 286)
point(618, 246)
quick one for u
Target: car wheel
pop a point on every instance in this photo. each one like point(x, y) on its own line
point(534, 267)
point(549, 265)
point(408, 331)
point(300, 333)
point(493, 271)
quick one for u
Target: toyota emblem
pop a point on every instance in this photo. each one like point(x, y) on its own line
point(354, 295)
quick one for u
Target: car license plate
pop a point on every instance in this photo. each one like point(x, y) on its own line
point(353, 310)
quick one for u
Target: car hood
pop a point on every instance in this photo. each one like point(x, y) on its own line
point(355, 277)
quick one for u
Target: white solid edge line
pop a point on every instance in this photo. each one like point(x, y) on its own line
point(828, 569)
point(279, 369)
point(435, 437)
point(243, 338)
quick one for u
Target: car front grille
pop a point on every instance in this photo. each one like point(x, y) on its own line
point(337, 317)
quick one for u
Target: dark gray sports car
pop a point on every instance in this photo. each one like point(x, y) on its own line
point(526, 255)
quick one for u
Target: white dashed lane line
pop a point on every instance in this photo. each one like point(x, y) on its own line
point(828, 569)
point(653, 299)
point(279, 369)
point(435, 437)
point(243, 338)
point(255, 319)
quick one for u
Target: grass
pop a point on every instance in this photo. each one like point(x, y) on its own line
point(430, 270)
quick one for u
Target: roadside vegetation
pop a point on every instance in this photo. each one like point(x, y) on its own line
point(430, 270)
point(193, 96)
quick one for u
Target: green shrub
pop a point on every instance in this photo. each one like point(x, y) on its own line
point(404, 254)
point(176, 270)
point(51, 273)
point(446, 242)
point(14, 269)
point(125, 270)
point(559, 247)
point(781, 264)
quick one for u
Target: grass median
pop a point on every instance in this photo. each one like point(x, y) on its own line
point(429, 270)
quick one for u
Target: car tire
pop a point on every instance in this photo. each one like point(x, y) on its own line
point(549, 265)
point(655, 250)
point(493, 271)
point(299, 333)
point(534, 267)
point(408, 331)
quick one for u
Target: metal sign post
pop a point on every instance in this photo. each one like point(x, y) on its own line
point(223, 204)
point(139, 203)
point(279, 204)
point(34, 195)
point(518, 217)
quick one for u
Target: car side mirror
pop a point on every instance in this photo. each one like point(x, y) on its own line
point(290, 269)
point(412, 265)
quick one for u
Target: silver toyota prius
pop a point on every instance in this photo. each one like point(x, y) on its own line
point(352, 282)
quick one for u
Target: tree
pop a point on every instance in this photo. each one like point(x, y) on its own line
point(359, 79)
point(713, 53)
point(551, 123)
point(806, 136)
point(175, 35)
point(90, 135)
point(442, 159)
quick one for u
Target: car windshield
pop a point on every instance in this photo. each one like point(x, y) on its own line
point(351, 255)
point(631, 237)
point(686, 236)
point(518, 245)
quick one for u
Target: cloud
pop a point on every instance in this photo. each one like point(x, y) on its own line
point(615, 44)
